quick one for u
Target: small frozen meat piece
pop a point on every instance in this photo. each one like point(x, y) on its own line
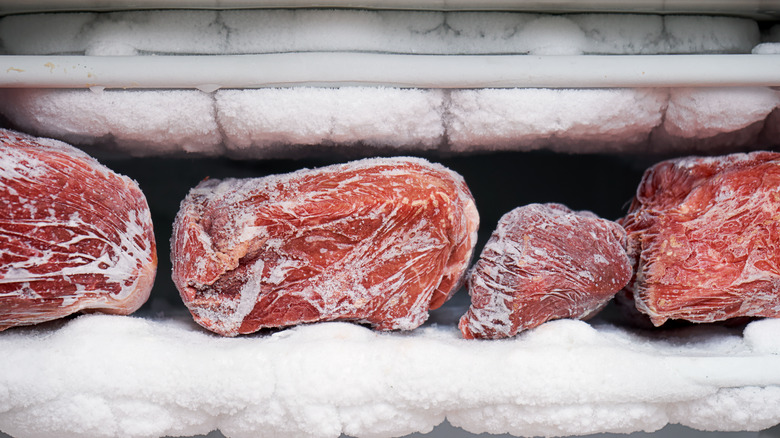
point(704, 238)
point(544, 262)
point(378, 241)
point(74, 235)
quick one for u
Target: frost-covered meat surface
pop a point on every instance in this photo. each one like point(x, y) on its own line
point(378, 241)
point(73, 234)
point(703, 238)
point(544, 262)
point(421, 32)
point(111, 376)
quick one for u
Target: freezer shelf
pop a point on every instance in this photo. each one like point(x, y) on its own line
point(758, 9)
point(333, 69)
point(133, 377)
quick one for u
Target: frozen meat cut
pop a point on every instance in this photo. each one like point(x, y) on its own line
point(544, 262)
point(704, 238)
point(378, 241)
point(74, 235)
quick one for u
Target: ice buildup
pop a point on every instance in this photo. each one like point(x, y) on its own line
point(306, 121)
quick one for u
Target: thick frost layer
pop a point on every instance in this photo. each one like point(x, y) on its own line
point(534, 118)
point(142, 122)
point(274, 31)
point(261, 119)
point(266, 122)
point(109, 376)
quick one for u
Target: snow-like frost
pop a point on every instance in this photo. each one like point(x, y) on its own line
point(429, 32)
point(110, 376)
point(287, 122)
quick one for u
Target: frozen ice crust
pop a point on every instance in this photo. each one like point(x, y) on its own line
point(306, 121)
point(103, 376)
point(74, 235)
point(377, 241)
point(421, 32)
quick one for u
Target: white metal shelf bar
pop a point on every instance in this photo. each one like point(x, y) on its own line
point(369, 69)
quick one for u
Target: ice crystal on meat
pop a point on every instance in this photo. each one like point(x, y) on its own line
point(379, 241)
point(544, 262)
point(73, 234)
point(703, 236)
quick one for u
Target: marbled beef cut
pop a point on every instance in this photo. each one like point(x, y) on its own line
point(704, 237)
point(544, 262)
point(377, 241)
point(73, 234)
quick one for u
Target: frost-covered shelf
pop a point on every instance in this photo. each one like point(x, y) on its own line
point(761, 9)
point(261, 83)
point(109, 376)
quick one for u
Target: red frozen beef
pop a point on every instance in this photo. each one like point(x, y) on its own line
point(74, 235)
point(544, 262)
point(704, 238)
point(378, 241)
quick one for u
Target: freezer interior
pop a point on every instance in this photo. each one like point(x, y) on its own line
point(531, 102)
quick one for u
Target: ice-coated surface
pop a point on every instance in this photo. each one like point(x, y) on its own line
point(288, 122)
point(290, 30)
point(109, 376)
point(73, 234)
point(767, 49)
point(380, 241)
point(265, 123)
point(702, 236)
point(141, 122)
point(145, 122)
point(707, 112)
point(544, 262)
point(257, 121)
point(506, 119)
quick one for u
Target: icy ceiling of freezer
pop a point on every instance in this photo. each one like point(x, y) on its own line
point(760, 9)
point(275, 31)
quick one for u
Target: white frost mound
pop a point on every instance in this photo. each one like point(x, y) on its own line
point(140, 122)
point(109, 376)
point(264, 123)
point(256, 120)
point(267, 123)
point(307, 30)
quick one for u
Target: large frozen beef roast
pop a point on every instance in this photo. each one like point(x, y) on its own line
point(544, 262)
point(377, 241)
point(704, 237)
point(74, 235)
